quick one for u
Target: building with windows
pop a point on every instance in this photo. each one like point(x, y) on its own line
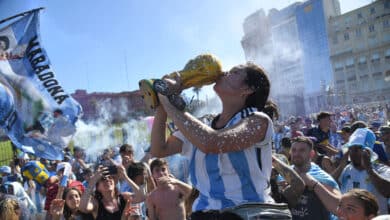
point(360, 54)
point(292, 45)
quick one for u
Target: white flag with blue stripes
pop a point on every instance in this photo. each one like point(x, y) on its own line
point(35, 112)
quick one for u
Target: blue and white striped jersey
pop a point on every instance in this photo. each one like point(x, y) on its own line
point(229, 179)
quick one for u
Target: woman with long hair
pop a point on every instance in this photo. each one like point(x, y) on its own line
point(230, 156)
point(105, 202)
point(68, 207)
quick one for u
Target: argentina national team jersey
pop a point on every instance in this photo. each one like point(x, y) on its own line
point(229, 179)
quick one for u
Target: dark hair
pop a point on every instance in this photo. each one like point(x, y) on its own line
point(286, 142)
point(135, 169)
point(271, 109)
point(5, 40)
point(59, 111)
point(126, 148)
point(303, 139)
point(322, 115)
point(258, 81)
point(367, 199)
point(158, 163)
point(358, 124)
point(67, 211)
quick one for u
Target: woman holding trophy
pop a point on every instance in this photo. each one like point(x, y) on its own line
point(230, 156)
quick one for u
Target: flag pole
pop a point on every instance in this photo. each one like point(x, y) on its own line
point(21, 14)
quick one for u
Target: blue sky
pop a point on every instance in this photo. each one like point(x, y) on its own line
point(90, 43)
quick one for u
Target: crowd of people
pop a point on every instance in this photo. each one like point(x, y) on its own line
point(243, 163)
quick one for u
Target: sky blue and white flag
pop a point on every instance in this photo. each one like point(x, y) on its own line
point(35, 112)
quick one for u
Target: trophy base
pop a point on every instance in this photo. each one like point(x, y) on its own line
point(148, 94)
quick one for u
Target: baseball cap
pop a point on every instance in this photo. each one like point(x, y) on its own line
point(345, 129)
point(362, 137)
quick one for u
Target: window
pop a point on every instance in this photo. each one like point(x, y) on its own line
point(377, 75)
point(351, 78)
point(387, 54)
point(371, 28)
point(338, 66)
point(372, 10)
point(387, 73)
point(387, 4)
point(364, 77)
point(340, 81)
point(346, 36)
point(335, 40)
point(349, 62)
point(375, 57)
point(386, 23)
point(358, 32)
point(362, 60)
point(359, 16)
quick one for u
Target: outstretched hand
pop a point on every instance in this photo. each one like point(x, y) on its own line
point(57, 207)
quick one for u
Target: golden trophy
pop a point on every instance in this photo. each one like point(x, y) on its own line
point(203, 70)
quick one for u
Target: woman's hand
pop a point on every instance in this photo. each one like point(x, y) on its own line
point(57, 207)
point(129, 210)
point(99, 173)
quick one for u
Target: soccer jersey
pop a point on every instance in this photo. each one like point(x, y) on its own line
point(353, 178)
point(228, 179)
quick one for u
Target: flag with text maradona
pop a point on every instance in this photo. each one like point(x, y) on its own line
point(36, 113)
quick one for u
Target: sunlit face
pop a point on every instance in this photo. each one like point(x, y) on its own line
point(158, 172)
point(106, 184)
point(232, 82)
point(300, 153)
point(72, 199)
point(326, 122)
point(351, 209)
point(127, 158)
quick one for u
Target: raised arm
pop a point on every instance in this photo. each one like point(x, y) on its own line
point(160, 146)
point(330, 197)
point(244, 134)
point(296, 185)
point(380, 183)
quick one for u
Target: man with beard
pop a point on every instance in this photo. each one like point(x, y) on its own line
point(362, 172)
point(321, 194)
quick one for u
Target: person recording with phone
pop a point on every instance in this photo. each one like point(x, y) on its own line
point(103, 200)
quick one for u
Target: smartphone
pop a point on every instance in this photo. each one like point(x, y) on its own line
point(112, 170)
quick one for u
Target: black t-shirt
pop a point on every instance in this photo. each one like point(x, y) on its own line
point(103, 214)
point(309, 207)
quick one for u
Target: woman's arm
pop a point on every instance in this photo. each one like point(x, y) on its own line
point(244, 134)
point(160, 146)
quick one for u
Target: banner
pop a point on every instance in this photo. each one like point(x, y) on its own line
point(35, 112)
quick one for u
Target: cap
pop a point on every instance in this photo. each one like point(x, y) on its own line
point(345, 129)
point(5, 169)
point(362, 137)
point(322, 115)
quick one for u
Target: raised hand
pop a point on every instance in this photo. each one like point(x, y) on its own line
point(57, 207)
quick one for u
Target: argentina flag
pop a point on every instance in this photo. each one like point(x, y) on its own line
point(36, 113)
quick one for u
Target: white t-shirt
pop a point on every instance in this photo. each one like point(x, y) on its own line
point(353, 178)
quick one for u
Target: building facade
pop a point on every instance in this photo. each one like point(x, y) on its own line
point(113, 107)
point(360, 54)
point(295, 52)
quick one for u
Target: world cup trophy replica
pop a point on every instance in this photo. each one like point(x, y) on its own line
point(203, 70)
